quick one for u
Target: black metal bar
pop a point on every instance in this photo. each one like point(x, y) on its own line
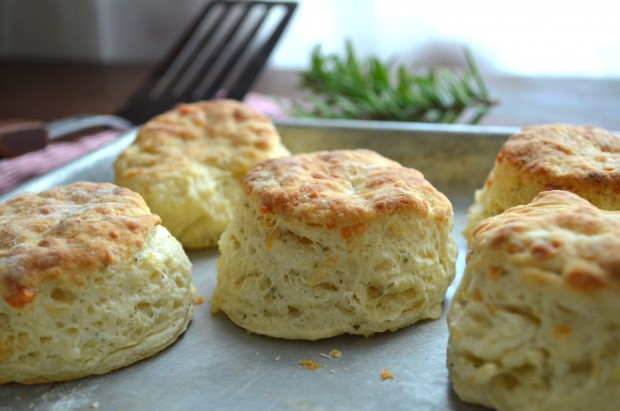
point(216, 52)
point(248, 76)
point(187, 66)
point(226, 70)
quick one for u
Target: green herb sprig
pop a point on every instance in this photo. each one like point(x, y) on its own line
point(350, 88)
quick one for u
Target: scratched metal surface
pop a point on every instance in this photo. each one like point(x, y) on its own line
point(216, 365)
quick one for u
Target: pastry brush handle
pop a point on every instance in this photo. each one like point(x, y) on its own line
point(18, 137)
point(70, 125)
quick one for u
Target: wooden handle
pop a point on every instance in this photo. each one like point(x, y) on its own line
point(20, 137)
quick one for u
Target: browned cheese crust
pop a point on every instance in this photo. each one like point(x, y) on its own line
point(66, 232)
point(344, 189)
point(222, 133)
point(581, 159)
point(565, 236)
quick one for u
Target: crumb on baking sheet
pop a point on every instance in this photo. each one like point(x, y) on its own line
point(335, 353)
point(199, 300)
point(95, 404)
point(194, 290)
point(277, 358)
point(310, 365)
point(332, 354)
point(387, 375)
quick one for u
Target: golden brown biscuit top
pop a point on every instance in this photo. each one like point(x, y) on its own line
point(342, 188)
point(66, 232)
point(569, 154)
point(558, 235)
point(222, 133)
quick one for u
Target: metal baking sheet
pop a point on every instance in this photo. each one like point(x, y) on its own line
point(216, 365)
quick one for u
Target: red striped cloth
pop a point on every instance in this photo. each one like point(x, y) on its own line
point(14, 171)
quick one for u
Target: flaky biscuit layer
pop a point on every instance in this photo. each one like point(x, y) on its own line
point(581, 159)
point(335, 242)
point(89, 282)
point(533, 324)
point(188, 164)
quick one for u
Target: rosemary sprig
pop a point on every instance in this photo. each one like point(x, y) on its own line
point(350, 88)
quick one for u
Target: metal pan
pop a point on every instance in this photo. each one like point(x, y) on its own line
point(216, 365)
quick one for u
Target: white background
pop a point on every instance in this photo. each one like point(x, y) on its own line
point(526, 37)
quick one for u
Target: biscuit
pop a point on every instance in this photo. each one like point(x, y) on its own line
point(534, 322)
point(582, 159)
point(89, 282)
point(188, 164)
point(329, 243)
